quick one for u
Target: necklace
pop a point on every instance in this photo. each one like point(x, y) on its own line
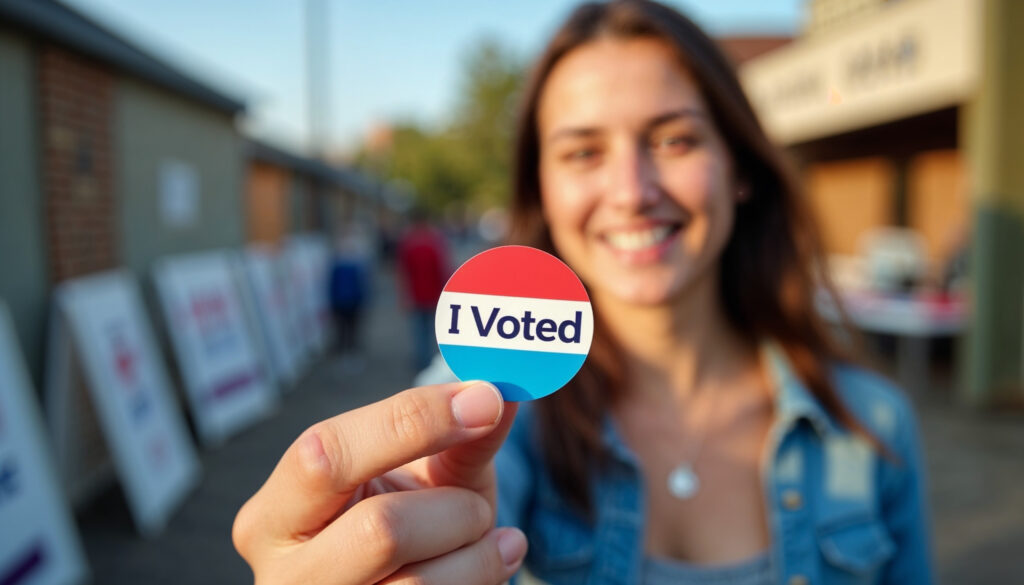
point(683, 482)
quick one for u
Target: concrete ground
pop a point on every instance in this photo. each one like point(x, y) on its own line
point(975, 462)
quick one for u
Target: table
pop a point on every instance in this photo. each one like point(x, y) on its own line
point(914, 319)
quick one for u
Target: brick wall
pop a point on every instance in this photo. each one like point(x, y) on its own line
point(76, 110)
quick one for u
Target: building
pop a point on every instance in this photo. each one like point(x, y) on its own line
point(901, 113)
point(286, 193)
point(111, 157)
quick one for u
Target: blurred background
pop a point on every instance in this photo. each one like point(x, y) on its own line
point(376, 134)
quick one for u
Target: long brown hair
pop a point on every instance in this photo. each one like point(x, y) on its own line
point(767, 268)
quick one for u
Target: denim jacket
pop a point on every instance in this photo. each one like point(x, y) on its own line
point(840, 513)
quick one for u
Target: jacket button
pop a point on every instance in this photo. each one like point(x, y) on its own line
point(798, 580)
point(792, 500)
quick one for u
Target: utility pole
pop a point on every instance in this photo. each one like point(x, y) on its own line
point(317, 77)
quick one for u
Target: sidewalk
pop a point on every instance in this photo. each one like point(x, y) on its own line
point(975, 463)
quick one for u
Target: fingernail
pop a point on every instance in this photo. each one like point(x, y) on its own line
point(477, 406)
point(511, 546)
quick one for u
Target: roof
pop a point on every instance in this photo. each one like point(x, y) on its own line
point(64, 26)
point(346, 178)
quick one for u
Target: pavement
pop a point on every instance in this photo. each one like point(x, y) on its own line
point(975, 463)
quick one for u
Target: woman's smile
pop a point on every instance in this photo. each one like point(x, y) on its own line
point(644, 243)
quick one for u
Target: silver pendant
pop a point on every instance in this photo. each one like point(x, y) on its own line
point(683, 482)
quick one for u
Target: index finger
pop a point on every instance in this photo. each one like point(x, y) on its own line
point(319, 472)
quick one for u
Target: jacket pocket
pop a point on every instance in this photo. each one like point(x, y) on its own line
point(559, 541)
point(858, 545)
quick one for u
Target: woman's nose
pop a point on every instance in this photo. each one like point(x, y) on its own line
point(634, 180)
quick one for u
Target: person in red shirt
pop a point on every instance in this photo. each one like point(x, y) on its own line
point(423, 268)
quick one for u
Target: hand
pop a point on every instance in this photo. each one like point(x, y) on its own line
point(400, 491)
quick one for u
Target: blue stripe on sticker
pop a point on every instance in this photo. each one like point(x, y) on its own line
point(519, 374)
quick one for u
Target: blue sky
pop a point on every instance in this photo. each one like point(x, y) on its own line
point(388, 59)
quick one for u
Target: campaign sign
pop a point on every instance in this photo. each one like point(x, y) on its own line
point(38, 541)
point(131, 394)
point(264, 274)
point(225, 382)
point(308, 261)
point(317, 254)
point(301, 313)
point(516, 317)
point(260, 324)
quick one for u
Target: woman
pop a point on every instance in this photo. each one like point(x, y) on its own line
point(714, 435)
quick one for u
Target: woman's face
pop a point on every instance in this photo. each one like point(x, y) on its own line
point(636, 183)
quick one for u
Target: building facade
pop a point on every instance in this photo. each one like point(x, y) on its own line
point(900, 113)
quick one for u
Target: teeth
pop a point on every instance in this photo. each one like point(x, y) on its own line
point(638, 239)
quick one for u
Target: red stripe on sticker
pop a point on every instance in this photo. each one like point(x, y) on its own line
point(518, 271)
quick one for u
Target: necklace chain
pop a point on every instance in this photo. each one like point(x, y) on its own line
point(683, 481)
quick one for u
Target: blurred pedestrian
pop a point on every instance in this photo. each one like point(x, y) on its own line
point(349, 290)
point(424, 267)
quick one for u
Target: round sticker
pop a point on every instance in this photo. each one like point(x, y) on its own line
point(516, 317)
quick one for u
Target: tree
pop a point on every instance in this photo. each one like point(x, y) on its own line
point(485, 117)
point(468, 160)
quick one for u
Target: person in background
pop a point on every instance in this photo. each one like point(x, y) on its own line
point(423, 268)
point(715, 434)
point(349, 287)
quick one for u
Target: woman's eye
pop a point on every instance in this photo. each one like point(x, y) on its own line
point(676, 143)
point(580, 154)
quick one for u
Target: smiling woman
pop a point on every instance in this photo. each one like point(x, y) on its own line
point(642, 165)
point(714, 434)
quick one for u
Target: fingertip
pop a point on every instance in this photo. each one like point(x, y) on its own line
point(478, 405)
point(512, 547)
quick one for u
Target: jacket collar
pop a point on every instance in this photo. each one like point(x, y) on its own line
point(793, 402)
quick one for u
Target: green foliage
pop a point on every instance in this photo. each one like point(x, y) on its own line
point(467, 161)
